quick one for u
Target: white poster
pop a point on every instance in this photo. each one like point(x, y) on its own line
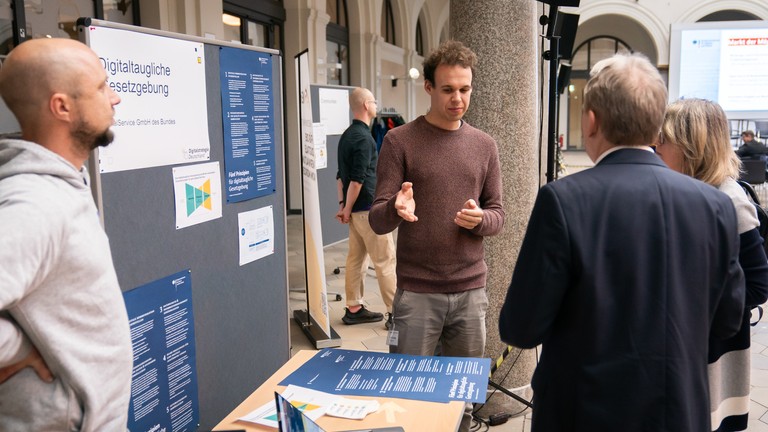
point(197, 193)
point(313, 234)
point(334, 110)
point(256, 234)
point(162, 118)
point(321, 149)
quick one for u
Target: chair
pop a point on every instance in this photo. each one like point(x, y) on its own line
point(761, 129)
point(754, 171)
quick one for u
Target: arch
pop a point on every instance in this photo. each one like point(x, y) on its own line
point(354, 17)
point(442, 24)
point(427, 30)
point(730, 15)
point(656, 29)
point(624, 28)
point(590, 62)
point(400, 21)
point(700, 10)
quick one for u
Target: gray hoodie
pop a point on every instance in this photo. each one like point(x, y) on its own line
point(58, 292)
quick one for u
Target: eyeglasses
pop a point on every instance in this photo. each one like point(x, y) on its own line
point(374, 101)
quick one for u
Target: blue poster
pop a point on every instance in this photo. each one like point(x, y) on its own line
point(164, 386)
point(248, 120)
point(363, 373)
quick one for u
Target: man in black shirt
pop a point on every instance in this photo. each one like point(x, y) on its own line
point(356, 184)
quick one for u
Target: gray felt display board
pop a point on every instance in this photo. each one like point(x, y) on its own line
point(333, 231)
point(240, 312)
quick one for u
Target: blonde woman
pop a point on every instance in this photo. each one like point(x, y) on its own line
point(695, 141)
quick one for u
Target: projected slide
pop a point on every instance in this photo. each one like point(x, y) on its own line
point(701, 61)
point(743, 81)
point(726, 62)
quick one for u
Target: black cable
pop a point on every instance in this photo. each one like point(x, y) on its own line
point(478, 423)
point(514, 362)
point(500, 418)
point(541, 95)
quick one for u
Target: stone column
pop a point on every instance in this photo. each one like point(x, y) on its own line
point(503, 33)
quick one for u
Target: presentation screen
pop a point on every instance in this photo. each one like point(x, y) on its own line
point(726, 62)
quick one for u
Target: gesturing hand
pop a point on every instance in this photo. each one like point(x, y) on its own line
point(469, 216)
point(405, 204)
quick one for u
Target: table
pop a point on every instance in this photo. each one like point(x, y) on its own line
point(412, 415)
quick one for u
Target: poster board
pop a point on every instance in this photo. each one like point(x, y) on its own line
point(8, 123)
point(333, 231)
point(241, 322)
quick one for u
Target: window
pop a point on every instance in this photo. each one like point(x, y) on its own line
point(6, 27)
point(595, 49)
point(338, 63)
point(585, 56)
point(250, 32)
point(388, 23)
point(254, 22)
point(337, 10)
point(122, 11)
point(419, 38)
point(337, 42)
point(52, 18)
point(21, 20)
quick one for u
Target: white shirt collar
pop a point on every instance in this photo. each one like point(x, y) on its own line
point(619, 147)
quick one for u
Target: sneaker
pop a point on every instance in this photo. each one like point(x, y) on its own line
point(388, 324)
point(361, 316)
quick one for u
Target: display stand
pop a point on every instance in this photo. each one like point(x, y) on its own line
point(313, 321)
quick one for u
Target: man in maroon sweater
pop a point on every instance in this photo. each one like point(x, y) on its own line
point(452, 171)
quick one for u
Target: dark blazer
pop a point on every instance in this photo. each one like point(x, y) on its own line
point(624, 269)
point(752, 150)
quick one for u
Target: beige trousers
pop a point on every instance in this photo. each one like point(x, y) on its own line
point(363, 242)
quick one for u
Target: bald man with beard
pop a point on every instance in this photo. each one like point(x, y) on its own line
point(356, 184)
point(65, 348)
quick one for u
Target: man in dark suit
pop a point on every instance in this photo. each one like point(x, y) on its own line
point(624, 271)
point(752, 148)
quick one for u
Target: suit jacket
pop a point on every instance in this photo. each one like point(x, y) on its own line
point(624, 270)
point(752, 150)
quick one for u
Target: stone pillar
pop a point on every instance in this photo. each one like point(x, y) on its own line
point(503, 33)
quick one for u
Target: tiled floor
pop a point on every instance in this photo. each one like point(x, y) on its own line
point(371, 337)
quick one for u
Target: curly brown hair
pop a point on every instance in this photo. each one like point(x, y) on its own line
point(450, 52)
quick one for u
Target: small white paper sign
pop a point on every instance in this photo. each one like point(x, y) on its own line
point(256, 234)
point(334, 110)
point(321, 148)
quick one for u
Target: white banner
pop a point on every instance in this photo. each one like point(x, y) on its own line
point(163, 116)
point(313, 233)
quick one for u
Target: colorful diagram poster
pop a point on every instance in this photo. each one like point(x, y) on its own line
point(249, 136)
point(197, 193)
point(367, 373)
point(162, 118)
point(164, 385)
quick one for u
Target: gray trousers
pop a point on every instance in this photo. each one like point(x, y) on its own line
point(455, 320)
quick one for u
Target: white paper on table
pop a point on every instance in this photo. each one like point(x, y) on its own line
point(264, 415)
point(312, 402)
point(354, 409)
